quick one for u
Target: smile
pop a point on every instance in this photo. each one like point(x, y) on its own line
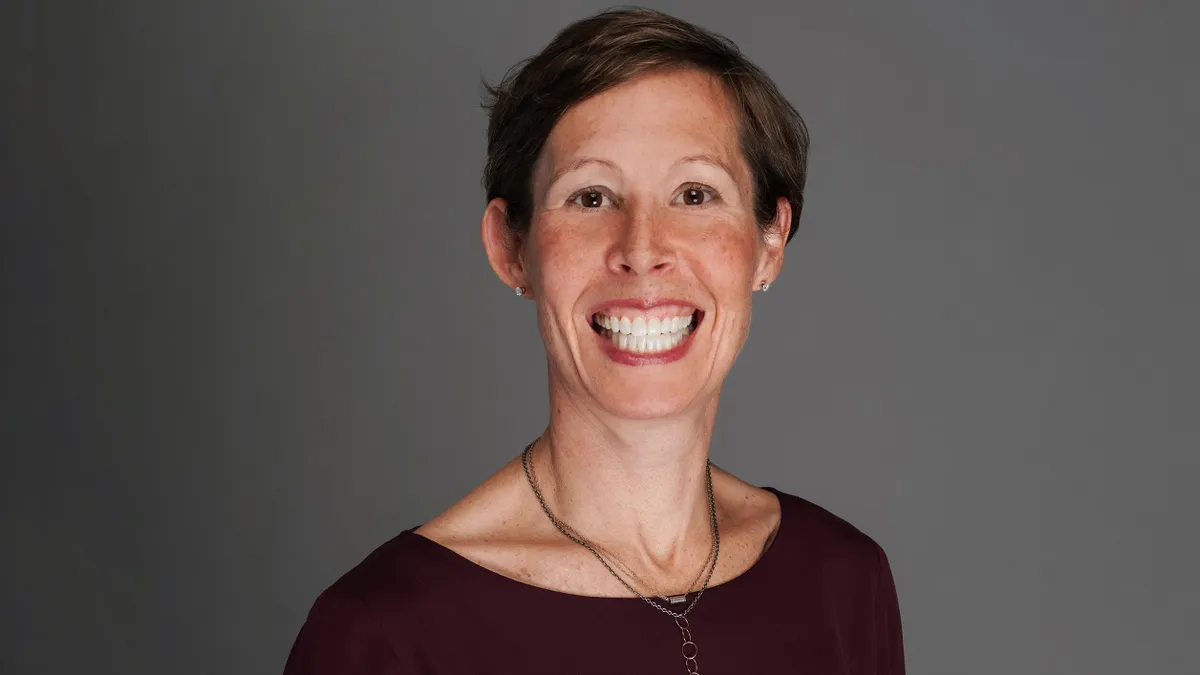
point(643, 332)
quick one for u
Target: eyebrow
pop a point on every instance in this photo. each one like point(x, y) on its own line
point(579, 164)
point(711, 160)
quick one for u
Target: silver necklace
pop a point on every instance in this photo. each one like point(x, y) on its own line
point(670, 599)
point(688, 649)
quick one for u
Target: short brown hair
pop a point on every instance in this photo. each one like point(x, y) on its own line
point(613, 47)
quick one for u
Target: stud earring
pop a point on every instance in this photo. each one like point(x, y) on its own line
point(764, 286)
point(520, 290)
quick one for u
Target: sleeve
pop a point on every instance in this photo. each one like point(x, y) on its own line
point(889, 642)
point(342, 637)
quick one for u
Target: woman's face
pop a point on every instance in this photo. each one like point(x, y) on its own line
point(643, 251)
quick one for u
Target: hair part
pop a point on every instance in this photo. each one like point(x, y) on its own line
point(600, 52)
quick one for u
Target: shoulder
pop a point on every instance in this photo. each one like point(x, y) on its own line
point(370, 619)
point(344, 630)
point(394, 578)
point(395, 572)
point(835, 566)
point(816, 538)
point(419, 569)
point(497, 505)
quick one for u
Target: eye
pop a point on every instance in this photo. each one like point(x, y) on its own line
point(696, 195)
point(591, 198)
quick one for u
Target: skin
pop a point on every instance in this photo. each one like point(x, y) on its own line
point(640, 192)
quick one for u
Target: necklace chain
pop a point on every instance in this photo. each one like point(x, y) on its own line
point(665, 597)
point(689, 647)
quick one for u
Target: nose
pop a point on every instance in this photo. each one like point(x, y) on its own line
point(641, 246)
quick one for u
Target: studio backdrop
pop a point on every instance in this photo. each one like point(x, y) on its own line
point(251, 332)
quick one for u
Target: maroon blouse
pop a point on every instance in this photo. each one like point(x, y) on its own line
point(820, 601)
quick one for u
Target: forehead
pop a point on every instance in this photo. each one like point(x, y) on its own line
point(658, 117)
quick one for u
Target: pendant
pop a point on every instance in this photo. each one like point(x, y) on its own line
point(689, 648)
point(677, 599)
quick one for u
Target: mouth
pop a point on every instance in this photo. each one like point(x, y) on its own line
point(659, 332)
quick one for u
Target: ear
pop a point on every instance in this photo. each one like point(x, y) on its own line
point(503, 246)
point(774, 238)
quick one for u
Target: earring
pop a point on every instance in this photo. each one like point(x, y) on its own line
point(520, 290)
point(764, 286)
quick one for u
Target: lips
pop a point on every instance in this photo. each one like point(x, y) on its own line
point(639, 331)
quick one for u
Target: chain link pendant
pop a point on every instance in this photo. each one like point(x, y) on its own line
point(689, 648)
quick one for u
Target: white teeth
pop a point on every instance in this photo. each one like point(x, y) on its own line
point(639, 326)
point(647, 344)
point(642, 335)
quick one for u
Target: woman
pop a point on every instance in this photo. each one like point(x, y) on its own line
point(643, 179)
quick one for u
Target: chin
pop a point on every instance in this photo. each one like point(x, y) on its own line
point(648, 403)
point(652, 411)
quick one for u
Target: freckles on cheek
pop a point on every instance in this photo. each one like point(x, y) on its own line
point(736, 257)
point(559, 258)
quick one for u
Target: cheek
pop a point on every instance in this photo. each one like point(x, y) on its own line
point(731, 261)
point(559, 258)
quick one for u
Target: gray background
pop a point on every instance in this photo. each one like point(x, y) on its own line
point(251, 333)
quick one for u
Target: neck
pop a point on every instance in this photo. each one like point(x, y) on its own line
point(637, 486)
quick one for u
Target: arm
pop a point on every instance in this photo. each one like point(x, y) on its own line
point(889, 643)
